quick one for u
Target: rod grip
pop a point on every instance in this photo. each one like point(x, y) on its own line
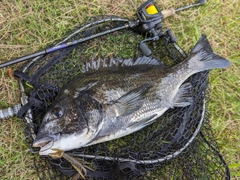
point(168, 12)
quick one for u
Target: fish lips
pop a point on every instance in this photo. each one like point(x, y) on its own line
point(44, 143)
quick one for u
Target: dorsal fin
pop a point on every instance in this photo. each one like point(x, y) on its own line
point(96, 64)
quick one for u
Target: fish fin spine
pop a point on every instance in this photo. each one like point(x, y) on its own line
point(99, 63)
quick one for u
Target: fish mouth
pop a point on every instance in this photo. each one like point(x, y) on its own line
point(44, 143)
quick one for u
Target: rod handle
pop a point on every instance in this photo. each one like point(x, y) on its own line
point(168, 12)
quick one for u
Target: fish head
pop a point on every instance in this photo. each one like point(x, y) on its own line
point(67, 125)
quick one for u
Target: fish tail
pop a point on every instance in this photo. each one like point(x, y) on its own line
point(202, 57)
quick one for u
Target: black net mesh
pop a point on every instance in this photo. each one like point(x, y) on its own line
point(179, 145)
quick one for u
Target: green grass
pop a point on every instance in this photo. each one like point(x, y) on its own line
point(27, 26)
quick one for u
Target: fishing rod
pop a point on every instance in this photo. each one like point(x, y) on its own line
point(149, 20)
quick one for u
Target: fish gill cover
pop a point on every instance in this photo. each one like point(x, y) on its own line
point(179, 145)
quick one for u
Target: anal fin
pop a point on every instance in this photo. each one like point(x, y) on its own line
point(184, 96)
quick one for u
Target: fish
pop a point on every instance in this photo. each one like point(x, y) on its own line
point(115, 97)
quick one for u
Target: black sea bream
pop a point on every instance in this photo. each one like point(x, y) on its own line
point(119, 97)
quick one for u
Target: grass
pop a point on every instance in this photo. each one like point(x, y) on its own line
point(27, 26)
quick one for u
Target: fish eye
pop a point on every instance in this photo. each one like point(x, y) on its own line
point(57, 112)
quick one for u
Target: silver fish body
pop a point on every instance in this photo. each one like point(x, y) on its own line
point(120, 97)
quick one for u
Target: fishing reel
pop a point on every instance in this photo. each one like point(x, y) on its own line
point(150, 18)
point(150, 22)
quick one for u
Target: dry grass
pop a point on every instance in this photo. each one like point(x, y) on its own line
point(27, 26)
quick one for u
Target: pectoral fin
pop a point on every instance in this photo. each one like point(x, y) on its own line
point(131, 101)
point(184, 96)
